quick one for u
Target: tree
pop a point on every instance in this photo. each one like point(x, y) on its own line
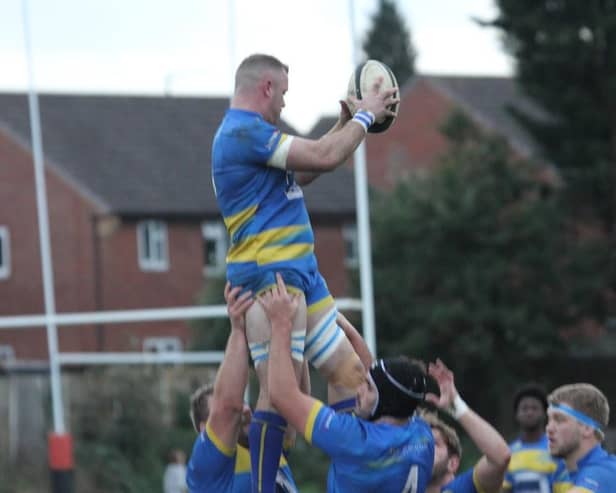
point(566, 61)
point(389, 41)
point(211, 334)
point(474, 263)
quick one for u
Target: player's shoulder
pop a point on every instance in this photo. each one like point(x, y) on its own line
point(596, 472)
point(419, 425)
point(462, 483)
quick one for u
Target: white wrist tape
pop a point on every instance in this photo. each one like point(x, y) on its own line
point(458, 407)
point(365, 118)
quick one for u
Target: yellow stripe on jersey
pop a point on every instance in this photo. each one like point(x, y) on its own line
point(236, 221)
point(312, 416)
point(278, 253)
point(249, 249)
point(228, 451)
point(290, 289)
point(242, 460)
point(565, 487)
point(532, 460)
point(318, 305)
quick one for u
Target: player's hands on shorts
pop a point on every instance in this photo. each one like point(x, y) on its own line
point(377, 101)
point(279, 305)
point(237, 305)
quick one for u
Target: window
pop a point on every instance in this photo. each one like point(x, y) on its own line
point(7, 354)
point(152, 245)
point(351, 253)
point(162, 344)
point(5, 253)
point(214, 248)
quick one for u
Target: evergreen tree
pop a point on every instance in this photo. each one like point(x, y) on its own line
point(389, 41)
point(566, 61)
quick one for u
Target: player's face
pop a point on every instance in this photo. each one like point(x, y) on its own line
point(366, 397)
point(530, 414)
point(564, 434)
point(441, 455)
point(280, 86)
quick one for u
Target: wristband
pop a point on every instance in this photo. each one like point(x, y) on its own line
point(458, 407)
point(365, 118)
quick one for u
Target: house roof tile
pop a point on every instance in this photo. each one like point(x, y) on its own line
point(145, 155)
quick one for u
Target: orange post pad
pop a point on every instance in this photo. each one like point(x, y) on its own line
point(60, 450)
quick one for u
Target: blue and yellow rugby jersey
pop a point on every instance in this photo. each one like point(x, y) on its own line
point(372, 457)
point(531, 467)
point(214, 468)
point(595, 473)
point(463, 483)
point(262, 206)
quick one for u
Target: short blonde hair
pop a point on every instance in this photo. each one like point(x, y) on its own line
point(585, 398)
point(199, 408)
point(252, 68)
point(454, 447)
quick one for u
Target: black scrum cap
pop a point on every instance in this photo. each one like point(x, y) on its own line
point(401, 385)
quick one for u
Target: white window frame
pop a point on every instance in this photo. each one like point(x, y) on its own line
point(162, 345)
point(7, 353)
point(158, 245)
point(5, 244)
point(216, 232)
point(349, 235)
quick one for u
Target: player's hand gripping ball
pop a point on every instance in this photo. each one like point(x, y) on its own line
point(363, 79)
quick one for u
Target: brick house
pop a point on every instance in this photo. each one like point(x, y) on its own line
point(133, 218)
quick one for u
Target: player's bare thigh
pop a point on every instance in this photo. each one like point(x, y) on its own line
point(259, 331)
point(343, 369)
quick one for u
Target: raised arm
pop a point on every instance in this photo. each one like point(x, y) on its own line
point(284, 391)
point(491, 468)
point(305, 177)
point(228, 397)
point(334, 148)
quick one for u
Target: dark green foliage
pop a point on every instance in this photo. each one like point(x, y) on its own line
point(210, 334)
point(566, 61)
point(389, 41)
point(121, 437)
point(474, 263)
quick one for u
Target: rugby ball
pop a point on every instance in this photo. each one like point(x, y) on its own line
point(363, 78)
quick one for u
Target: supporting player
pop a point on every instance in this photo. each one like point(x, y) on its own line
point(381, 447)
point(220, 461)
point(487, 475)
point(577, 417)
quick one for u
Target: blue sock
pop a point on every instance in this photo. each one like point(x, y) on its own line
point(265, 441)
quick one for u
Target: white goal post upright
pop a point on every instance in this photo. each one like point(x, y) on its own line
point(363, 219)
point(43, 225)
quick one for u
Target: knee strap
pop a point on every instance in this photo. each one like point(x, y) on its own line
point(259, 351)
point(324, 339)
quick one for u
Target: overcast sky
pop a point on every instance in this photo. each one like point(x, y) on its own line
point(184, 47)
